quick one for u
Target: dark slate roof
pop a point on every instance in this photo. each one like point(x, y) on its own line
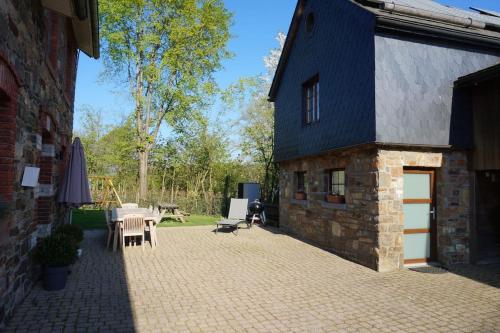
point(423, 17)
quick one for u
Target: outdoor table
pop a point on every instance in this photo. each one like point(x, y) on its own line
point(117, 215)
point(173, 209)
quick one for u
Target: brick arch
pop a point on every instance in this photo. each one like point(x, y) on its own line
point(9, 93)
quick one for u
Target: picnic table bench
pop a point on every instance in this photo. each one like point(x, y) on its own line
point(172, 211)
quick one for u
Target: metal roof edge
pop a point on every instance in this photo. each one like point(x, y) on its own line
point(396, 24)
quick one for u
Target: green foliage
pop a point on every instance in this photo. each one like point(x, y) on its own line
point(201, 159)
point(166, 52)
point(57, 250)
point(72, 231)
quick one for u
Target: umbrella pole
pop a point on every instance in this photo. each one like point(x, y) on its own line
point(70, 215)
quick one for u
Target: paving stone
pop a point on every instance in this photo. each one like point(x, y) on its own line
point(258, 281)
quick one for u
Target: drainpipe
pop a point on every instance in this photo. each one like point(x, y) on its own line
point(427, 14)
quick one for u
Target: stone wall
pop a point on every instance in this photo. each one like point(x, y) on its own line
point(36, 115)
point(391, 164)
point(349, 230)
point(368, 229)
point(454, 211)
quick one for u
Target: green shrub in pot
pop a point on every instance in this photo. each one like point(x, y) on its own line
point(56, 253)
point(72, 231)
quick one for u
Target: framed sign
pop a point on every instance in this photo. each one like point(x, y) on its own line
point(30, 176)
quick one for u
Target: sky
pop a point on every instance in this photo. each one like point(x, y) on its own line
point(255, 25)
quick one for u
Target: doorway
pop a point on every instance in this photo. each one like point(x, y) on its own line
point(488, 216)
point(419, 239)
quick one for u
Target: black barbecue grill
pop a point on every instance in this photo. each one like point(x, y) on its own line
point(256, 212)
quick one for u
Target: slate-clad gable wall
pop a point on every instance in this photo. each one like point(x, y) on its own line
point(341, 51)
point(414, 90)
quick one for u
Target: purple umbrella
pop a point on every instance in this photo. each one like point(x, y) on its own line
point(75, 190)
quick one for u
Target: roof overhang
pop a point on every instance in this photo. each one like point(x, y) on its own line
point(475, 78)
point(85, 21)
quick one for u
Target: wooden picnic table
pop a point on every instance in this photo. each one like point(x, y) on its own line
point(151, 218)
point(173, 210)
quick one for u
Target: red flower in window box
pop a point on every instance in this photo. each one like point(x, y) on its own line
point(300, 195)
point(335, 198)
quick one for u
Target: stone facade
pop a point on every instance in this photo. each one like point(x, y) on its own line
point(351, 229)
point(368, 228)
point(38, 60)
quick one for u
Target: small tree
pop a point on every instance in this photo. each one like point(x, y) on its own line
point(166, 51)
point(258, 136)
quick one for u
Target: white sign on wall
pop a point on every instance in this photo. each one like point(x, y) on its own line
point(30, 177)
point(38, 142)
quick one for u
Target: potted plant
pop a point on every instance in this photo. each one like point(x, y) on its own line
point(335, 198)
point(55, 253)
point(74, 232)
point(300, 195)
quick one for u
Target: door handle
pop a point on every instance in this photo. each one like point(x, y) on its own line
point(433, 213)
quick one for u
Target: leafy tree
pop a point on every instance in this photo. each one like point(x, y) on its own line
point(258, 123)
point(166, 52)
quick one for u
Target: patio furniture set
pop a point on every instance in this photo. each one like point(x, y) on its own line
point(132, 222)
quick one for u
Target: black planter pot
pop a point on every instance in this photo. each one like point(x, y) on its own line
point(54, 278)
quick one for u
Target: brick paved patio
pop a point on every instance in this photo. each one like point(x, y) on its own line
point(196, 281)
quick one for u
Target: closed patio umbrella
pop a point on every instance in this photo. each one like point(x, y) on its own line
point(75, 190)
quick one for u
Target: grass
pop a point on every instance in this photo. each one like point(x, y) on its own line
point(191, 221)
point(89, 219)
point(94, 219)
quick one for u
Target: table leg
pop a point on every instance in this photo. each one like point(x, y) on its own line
point(117, 231)
point(155, 242)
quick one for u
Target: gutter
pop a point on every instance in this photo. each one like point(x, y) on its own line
point(400, 24)
point(94, 18)
point(395, 17)
point(391, 7)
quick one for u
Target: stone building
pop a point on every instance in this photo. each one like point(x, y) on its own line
point(378, 138)
point(39, 43)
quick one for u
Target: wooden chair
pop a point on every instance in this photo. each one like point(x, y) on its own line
point(133, 226)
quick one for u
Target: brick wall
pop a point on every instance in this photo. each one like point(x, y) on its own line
point(32, 90)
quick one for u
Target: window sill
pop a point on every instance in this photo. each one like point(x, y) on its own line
point(304, 203)
point(330, 205)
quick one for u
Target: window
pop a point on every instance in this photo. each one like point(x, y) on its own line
point(336, 182)
point(311, 100)
point(301, 184)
